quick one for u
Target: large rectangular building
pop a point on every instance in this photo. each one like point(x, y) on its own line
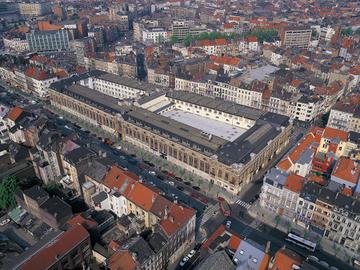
point(296, 37)
point(53, 40)
point(229, 152)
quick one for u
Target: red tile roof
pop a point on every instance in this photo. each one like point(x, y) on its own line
point(294, 183)
point(285, 259)
point(37, 74)
point(113, 245)
point(219, 231)
point(251, 39)
point(61, 74)
point(313, 137)
point(285, 164)
point(178, 216)
point(116, 178)
point(347, 169)
point(295, 83)
point(142, 196)
point(225, 60)
point(228, 25)
point(122, 260)
point(14, 113)
point(234, 242)
point(79, 219)
point(355, 70)
point(65, 242)
point(216, 42)
point(317, 179)
point(332, 133)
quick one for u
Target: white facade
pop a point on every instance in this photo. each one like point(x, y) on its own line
point(155, 35)
point(221, 90)
point(40, 87)
point(16, 44)
point(276, 59)
point(214, 114)
point(116, 90)
point(326, 33)
point(306, 111)
point(339, 119)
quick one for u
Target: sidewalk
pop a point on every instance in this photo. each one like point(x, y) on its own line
point(206, 186)
point(285, 225)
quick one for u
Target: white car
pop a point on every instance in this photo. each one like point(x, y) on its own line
point(152, 172)
point(171, 183)
point(184, 260)
point(4, 222)
point(228, 224)
point(191, 253)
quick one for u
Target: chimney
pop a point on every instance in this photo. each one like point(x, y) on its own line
point(353, 170)
point(134, 255)
point(267, 248)
point(166, 212)
point(172, 219)
point(153, 198)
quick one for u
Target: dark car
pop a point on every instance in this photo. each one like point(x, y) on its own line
point(160, 177)
point(196, 188)
point(187, 183)
point(180, 188)
point(178, 179)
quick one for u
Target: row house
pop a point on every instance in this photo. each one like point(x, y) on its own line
point(33, 80)
point(249, 44)
point(331, 214)
point(280, 192)
point(218, 46)
point(123, 193)
point(345, 115)
point(46, 156)
point(313, 151)
point(38, 81)
point(221, 90)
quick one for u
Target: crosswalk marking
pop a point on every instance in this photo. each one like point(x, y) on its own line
point(243, 204)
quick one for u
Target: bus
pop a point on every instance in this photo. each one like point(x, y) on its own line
point(300, 241)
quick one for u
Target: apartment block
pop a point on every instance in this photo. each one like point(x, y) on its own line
point(53, 40)
point(296, 37)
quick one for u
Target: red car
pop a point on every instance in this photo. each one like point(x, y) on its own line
point(171, 174)
point(204, 200)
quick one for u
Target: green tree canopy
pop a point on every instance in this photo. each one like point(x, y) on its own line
point(174, 39)
point(8, 186)
point(347, 32)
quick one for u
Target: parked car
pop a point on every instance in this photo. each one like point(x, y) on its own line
point(184, 260)
point(152, 172)
point(180, 188)
point(187, 183)
point(178, 178)
point(4, 222)
point(171, 183)
point(196, 188)
point(191, 253)
point(204, 200)
point(228, 224)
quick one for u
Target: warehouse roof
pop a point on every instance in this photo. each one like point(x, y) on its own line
point(216, 104)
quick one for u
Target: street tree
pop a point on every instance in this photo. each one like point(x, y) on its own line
point(8, 187)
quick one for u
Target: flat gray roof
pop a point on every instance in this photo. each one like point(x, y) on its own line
point(129, 82)
point(223, 130)
point(94, 98)
point(216, 104)
point(175, 129)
